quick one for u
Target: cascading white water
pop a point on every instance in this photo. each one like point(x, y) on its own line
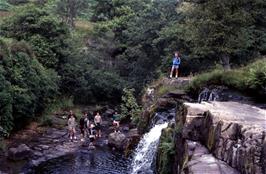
point(146, 150)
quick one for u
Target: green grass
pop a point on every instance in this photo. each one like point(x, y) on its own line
point(249, 79)
point(162, 90)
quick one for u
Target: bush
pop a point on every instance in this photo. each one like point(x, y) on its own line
point(26, 87)
point(47, 36)
point(46, 121)
point(129, 107)
point(250, 79)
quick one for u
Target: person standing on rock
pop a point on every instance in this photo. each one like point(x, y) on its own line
point(72, 126)
point(175, 66)
point(98, 123)
point(116, 121)
point(82, 125)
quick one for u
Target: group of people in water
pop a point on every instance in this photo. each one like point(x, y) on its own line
point(90, 126)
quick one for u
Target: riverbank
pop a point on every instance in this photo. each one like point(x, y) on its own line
point(36, 145)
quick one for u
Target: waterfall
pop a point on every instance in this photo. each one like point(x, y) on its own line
point(146, 150)
point(208, 95)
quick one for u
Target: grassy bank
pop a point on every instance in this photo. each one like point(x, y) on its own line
point(250, 80)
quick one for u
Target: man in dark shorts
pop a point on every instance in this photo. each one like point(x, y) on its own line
point(82, 125)
point(98, 122)
point(116, 121)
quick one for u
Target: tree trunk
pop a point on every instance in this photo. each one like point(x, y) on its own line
point(225, 59)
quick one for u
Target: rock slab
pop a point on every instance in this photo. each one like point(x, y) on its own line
point(19, 153)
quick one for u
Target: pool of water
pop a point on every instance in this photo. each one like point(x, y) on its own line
point(99, 161)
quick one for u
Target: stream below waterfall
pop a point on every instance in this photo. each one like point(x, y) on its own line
point(103, 160)
point(99, 161)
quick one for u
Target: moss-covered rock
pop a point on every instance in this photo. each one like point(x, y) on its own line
point(166, 152)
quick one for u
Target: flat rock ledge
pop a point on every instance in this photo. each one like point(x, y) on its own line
point(52, 144)
point(233, 132)
point(201, 161)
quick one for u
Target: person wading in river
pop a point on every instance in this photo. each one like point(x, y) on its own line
point(72, 126)
point(82, 125)
point(175, 66)
point(98, 122)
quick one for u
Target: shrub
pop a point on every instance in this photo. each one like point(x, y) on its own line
point(47, 36)
point(250, 79)
point(46, 121)
point(26, 87)
point(129, 107)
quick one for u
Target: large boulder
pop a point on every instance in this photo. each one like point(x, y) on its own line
point(19, 153)
point(109, 113)
point(117, 140)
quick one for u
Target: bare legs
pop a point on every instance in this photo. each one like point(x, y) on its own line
point(172, 72)
point(72, 134)
point(99, 133)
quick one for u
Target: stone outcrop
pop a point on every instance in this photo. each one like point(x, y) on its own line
point(232, 132)
point(19, 153)
point(117, 140)
point(201, 161)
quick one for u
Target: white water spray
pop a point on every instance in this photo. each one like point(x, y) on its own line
point(146, 150)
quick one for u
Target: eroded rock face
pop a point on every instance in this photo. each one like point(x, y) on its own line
point(204, 162)
point(19, 153)
point(117, 140)
point(235, 136)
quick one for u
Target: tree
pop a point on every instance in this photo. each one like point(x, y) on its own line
point(68, 10)
point(26, 86)
point(221, 28)
point(48, 37)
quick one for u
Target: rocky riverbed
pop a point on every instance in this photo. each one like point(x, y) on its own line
point(36, 146)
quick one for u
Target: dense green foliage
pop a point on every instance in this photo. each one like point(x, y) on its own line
point(47, 36)
point(91, 50)
point(26, 85)
point(230, 32)
point(129, 106)
point(250, 79)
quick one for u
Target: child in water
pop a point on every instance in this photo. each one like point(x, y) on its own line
point(72, 127)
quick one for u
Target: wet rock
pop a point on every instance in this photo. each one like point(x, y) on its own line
point(37, 154)
point(204, 162)
point(117, 140)
point(19, 153)
point(164, 104)
point(125, 129)
point(178, 94)
point(234, 133)
point(109, 112)
point(43, 147)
